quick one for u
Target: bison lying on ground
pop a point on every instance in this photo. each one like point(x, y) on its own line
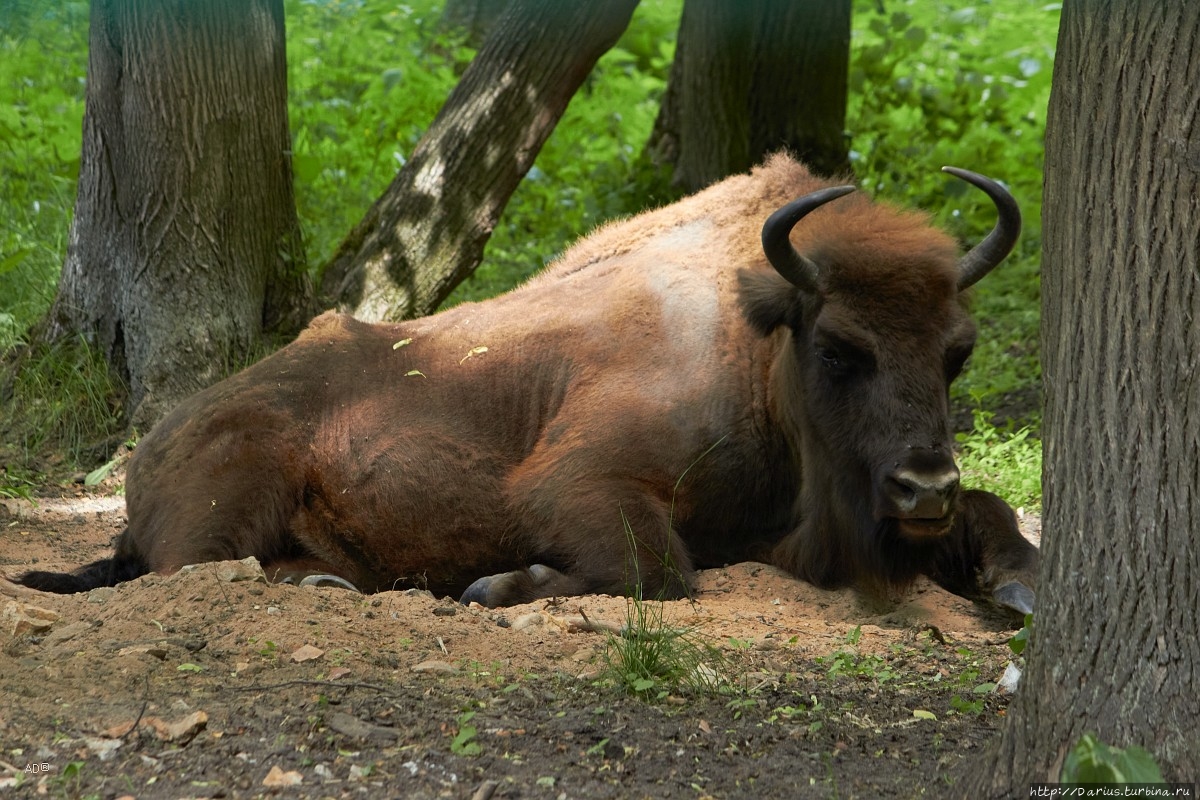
point(681, 389)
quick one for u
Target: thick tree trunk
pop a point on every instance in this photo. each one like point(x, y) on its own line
point(185, 244)
point(1116, 649)
point(427, 232)
point(751, 77)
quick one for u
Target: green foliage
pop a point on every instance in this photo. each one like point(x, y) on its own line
point(364, 81)
point(1020, 639)
point(939, 83)
point(1093, 761)
point(59, 398)
point(43, 57)
point(1005, 461)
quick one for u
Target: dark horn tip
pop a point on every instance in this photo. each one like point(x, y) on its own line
point(984, 257)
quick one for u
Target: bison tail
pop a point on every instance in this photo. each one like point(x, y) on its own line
point(105, 572)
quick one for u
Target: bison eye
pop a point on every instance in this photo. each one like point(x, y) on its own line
point(836, 363)
point(841, 359)
point(830, 358)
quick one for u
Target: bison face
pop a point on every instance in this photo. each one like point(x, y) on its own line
point(871, 402)
point(873, 332)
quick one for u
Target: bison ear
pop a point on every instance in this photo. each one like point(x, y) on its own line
point(767, 300)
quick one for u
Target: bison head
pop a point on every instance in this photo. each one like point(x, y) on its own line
point(874, 330)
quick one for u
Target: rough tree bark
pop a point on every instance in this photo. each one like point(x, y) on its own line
point(1116, 649)
point(751, 77)
point(427, 232)
point(185, 245)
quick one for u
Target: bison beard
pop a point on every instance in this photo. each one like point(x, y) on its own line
point(682, 389)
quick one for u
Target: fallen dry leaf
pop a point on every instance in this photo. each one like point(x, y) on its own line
point(180, 731)
point(307, 653)
point(277, 777)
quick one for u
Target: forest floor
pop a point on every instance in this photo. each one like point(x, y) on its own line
point(200, 685)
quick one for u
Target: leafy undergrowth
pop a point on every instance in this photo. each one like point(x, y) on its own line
point(61, 407)
point(1004, 460)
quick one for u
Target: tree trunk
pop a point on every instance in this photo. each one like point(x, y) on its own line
point(476, 18)
point(427, 232)
point(185, 245)
point(751, 77)
point(1116, 650)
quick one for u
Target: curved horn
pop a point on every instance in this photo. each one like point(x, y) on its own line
point(997, 244)
point(798, 270)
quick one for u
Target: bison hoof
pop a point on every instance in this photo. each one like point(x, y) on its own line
point(506, 588)
point(329, 580)
point(1014, 595)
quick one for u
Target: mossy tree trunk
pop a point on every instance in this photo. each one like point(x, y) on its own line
point(427, 232)
point(751, 77)
point(185, 247)
point(1116, 648)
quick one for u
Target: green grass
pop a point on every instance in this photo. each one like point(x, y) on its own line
point(1006, 461)
point(61, 408)
point(932, 83)
point(653, 659)
point(43, 59)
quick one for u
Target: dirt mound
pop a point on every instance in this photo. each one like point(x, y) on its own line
point(212, 682)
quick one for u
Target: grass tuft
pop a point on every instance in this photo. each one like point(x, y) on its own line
point(58, 398)
point(653, 659)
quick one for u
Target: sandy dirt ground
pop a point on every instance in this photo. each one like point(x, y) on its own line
point(213, 683)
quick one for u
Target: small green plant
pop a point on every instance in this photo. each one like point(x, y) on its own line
point(464, 743)
point(1002, 460)
point(653, 659)
point(17, 481)
point(848, 663)
point(70, 780)
point(1093, 761)
point(1020, 639)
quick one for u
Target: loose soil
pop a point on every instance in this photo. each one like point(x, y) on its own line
point(199, 685)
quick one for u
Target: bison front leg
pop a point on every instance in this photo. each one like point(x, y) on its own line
point(985, 557)
point(587, 541)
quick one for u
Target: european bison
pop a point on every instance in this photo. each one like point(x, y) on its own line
point(684, 388)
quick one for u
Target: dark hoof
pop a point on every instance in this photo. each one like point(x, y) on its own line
point(503, 588)
point(326, 580)
point(480, 590)
point(1014, 595)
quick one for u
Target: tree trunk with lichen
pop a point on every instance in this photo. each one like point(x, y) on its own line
point(751, 77)
point(1116, 648)
point(427, 232)
point(185, 248)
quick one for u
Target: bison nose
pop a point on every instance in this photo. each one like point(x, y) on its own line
point(918, 495)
